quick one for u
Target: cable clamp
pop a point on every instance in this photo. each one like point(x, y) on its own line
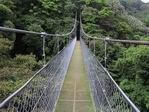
point(43, 34)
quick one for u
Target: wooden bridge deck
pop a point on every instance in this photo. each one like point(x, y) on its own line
point(75, 94)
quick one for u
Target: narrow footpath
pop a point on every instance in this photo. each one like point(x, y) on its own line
point(75, 94)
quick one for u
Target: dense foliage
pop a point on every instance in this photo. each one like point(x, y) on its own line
point(21, 54)
point(137, 8)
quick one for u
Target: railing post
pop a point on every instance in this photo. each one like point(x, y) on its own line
point(94, 47)
point(105, 43)
point(105, 57)
point(58, 46)
point(43, 47)
point(68, 39)
point(89, 43)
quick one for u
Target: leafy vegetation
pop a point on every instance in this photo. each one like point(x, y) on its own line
point(137, 8)
point(21, 54)
point(14, 72)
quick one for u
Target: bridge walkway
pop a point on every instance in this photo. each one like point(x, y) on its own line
point(75, 94)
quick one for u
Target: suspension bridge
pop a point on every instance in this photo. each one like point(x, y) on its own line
point(72, 81)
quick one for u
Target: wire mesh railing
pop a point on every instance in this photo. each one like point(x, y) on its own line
point(107, 95)
point(41, 92)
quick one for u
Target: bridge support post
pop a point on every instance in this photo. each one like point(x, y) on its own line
point(43, 47)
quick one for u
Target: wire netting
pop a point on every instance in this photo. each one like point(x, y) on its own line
point(41, 92)
point(106, 94)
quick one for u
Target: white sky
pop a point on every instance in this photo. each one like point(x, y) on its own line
point(145, 1)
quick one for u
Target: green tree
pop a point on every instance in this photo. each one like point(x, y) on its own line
point(5, 13)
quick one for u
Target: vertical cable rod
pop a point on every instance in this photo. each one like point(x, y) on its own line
point(43, 47)
point(89, 43)
point(58, 45)
point(94, 46)
point(105, 49)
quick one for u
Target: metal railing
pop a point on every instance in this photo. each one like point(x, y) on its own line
point(107, 95)
point(41, 92)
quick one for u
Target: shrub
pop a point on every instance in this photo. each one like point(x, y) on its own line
point(5, 47)
point(26, 61)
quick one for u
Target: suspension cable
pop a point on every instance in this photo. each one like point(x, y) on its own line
point(109, 39)
point(137, 42)
point(38, 33)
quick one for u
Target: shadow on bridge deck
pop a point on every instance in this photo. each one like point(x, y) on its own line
point(75, 94)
